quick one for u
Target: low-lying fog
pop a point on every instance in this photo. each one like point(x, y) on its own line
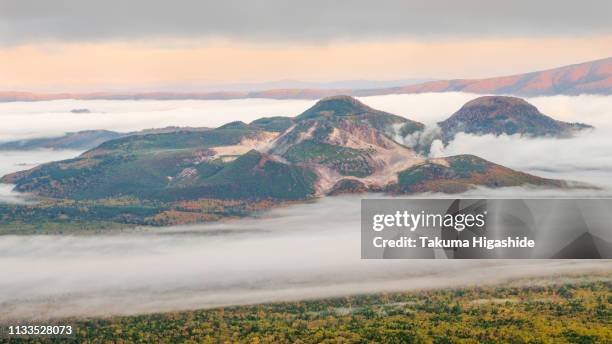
point(285, 255)
point(303, 251)
point(13, 161)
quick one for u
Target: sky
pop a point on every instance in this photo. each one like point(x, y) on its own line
point(73, 45)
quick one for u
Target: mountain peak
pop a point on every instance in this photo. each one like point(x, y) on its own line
point(504, 115)
point(492, 107)
point(497, 102)
point(235, 125)
point(344, 108)
point(342, 97)
point(336, 106)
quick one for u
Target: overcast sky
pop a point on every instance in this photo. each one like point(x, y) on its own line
point(268, 35)
point(78, 20)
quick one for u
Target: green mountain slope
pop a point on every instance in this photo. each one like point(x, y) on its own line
point(460, 173)
point(275, 124)
point(138, 166)
point(252, 176)
point(84, 140)
point(182, 139)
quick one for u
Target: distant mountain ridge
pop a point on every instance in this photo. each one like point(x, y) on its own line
point(593, 77)
point(85, 139)
point(82, 140)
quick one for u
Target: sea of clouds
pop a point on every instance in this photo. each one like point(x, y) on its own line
point(284, 255)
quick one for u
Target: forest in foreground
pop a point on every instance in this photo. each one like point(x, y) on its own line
point(554, 310)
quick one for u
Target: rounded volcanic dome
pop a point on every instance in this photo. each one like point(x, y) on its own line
point(492, 107)
point(340, 97)
point(496, 101)
point(504, 115)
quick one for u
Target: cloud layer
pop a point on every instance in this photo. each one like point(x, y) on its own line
point(53, 118)
point(22, 160)
point(226, 264)
point(74, 20)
